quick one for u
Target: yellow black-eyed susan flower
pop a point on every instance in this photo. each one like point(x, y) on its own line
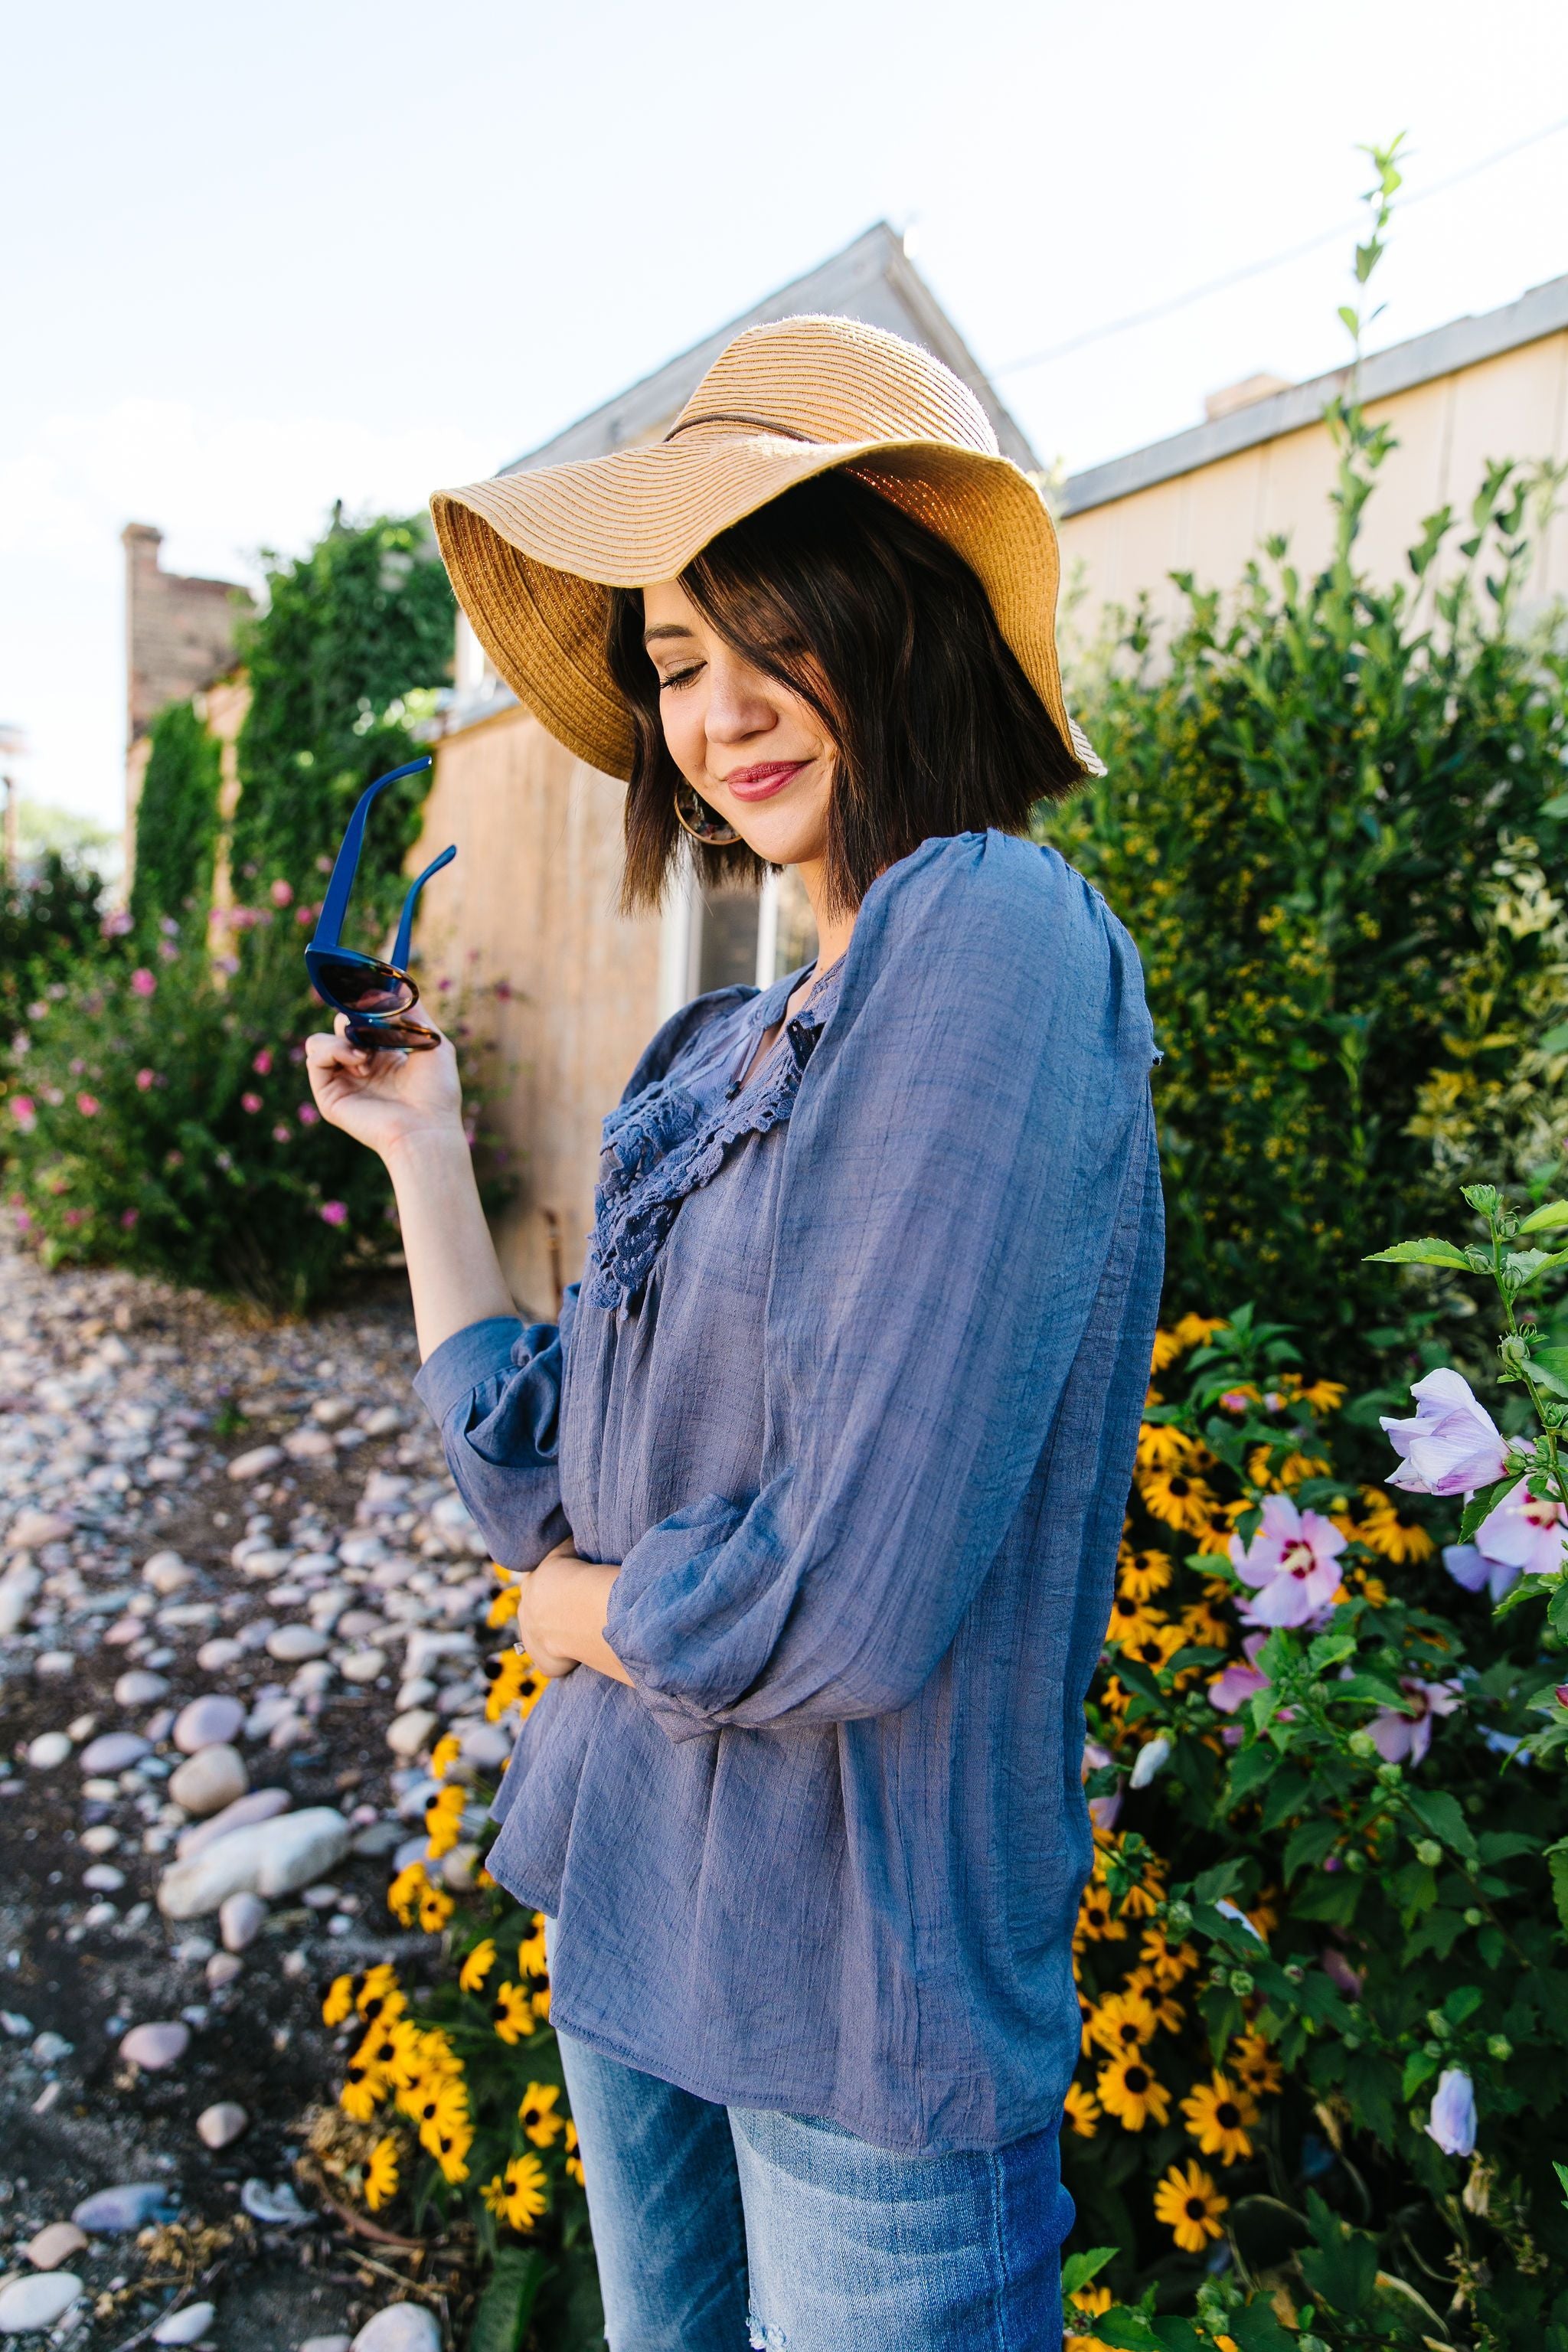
point(1254, 2063)
point(363, 2090)
point(1170, 1962)
point(1129, 2089)
point(337, 2001)
point(512, 2013)
point(1123, 2021)
point(520, 2195)
point(573, 2161)
point(1178, 1498)
point(477, 1965)
point(1390, 1529)
point(1096, 1917)
point(1081, 2110)
point(1217, 2115)
point(381, 2174)
point(1144, 1573)
point(1087, 2303)
point(1189, 2204)
point(444, 1755)
point(403, 1894)
point(1130, 1620)
point(536, 2113)
point(1168, 2013)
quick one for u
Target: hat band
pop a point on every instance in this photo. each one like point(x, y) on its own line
point(761, 424)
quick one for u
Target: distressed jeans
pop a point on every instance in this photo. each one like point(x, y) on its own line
point(719, 2227)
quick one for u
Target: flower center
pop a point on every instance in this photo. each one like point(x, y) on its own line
point(1195, 2209)
point(1228, 2116)
point(1296, 1559)
point(1137, 2081)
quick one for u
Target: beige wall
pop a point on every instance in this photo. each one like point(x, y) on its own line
point(530, 901)
point(1212, 520)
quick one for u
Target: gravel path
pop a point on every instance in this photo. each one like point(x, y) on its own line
point(194, 1506)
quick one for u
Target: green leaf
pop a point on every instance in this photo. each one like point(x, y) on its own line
point(1127, 2331)
point(1562, 2170)
point(1551, 1214)
point(1330, 1650)
point(1256, 2329)
point(504, 2308)
point(1342, 2273)
point(1419, 2067)
point(1462, 2003)
point(1556, 1040)
point(1557, 1861)
point(1481, 1504)
point(1547, 1264)
point(1251, 1768)
point(1308, 1845)
point(1430, 1251)
point(1079, 2269)
point(1367, 1686)
point(1214, 1884)
point(1442, 1815)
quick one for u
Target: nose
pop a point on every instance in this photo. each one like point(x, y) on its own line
point(738, 702)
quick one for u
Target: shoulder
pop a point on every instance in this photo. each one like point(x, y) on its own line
point(989, 914)
point(683, 1036)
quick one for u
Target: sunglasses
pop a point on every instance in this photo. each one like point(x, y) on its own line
point(372, 993)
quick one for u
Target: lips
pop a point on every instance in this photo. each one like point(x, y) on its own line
point(760, 783)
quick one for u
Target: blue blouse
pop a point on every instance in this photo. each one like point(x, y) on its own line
point(850, 1389)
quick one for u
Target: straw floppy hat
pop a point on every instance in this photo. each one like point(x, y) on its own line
point(531, 554)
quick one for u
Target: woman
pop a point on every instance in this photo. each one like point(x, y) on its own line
point(818, 1487)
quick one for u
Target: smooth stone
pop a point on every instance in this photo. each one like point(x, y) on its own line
point(327, 2344)
point(419, 1692)
point(222, 1970)
point(409, 1734)
point(138, 1688)
point(240, 1921)
point(113, 1751)
point(209, 1780)
point(50, 1749)
point(55, 1664)
point(363, 1667)
point(48, 2048)
point(485, 1745)
point(217, 2125)
point(207, 1720)
point(186, 2326)
point(18, 1589)
point(269, 1858)
point(31, 1529)
point(37, 2302)
point(277, 2204)
point(103, 1838)
point(103, 1879)
point(291, 1643)
point(112, 2212)
point(399, 2327)
point(220, 1652)
point(331, 1410)
point(166, 1572)
point(288, 1729)
point(308, 1445)
point(260, 1805)
point(192, 1949)
point(269, 1709)
point(54, 2245)
point(252, 1464)
point(154, 2047)
point(382, 1421)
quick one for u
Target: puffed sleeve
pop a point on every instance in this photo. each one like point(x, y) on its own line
point(971, 1126)
point(494, 1392)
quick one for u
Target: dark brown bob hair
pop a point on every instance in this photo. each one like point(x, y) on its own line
point(887, 635)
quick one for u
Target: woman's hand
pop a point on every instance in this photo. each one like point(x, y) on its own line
point(385, 1101)
point(561, 1608)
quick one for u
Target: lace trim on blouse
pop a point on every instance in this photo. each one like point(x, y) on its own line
point(669, 1141)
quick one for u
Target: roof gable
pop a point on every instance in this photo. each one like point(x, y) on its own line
point(873, 280)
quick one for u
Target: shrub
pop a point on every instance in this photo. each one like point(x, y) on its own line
point(1335, 822)
point(1320, 1940)
point(176, 820)
point(350, 633)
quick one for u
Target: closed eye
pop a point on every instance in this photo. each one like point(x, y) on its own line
point(679, 678)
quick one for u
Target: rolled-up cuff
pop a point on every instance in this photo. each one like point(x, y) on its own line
point(481, 1352)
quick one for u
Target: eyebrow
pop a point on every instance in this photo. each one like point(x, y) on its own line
point(665, 629)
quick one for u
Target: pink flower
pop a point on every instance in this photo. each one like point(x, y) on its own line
point(281, 1134)
point(25, 1111)
point(304, 917)
point(167, 951)
point(1239, 1683)
point(262, 1064)
point(144, 982)
point(128, 1218)
point(335, 1212)
point(1451, 1445)
point(1523, 1531)
point(1403, 1736)
point(1338, 1970)
point(250, 1102)
point(74, 1217)
point(146, 1079)
point(88, 1106)
point(308, 1115)
point(115, 926)
point(1102, 1810)
point(1292, 1563)
point(281, 893)
point(23, 1222)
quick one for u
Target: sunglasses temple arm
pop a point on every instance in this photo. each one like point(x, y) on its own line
point(335, 905)
point(405, 923)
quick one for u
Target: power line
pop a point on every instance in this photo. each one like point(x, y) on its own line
point(1274, 262)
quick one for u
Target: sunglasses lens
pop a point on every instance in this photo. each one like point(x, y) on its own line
point(392, 1037)
point(363, 987)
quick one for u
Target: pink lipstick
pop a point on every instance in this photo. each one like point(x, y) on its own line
point(761, 782)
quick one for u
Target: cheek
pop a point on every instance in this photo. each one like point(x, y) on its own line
point(685, 736)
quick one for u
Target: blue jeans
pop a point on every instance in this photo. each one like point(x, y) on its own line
point(710, 2221)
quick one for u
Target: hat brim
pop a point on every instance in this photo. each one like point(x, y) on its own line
point(533, 555)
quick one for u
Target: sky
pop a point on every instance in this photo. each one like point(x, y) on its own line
point(254, 260)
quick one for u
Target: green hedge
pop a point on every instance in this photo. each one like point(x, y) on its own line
point(176, 820)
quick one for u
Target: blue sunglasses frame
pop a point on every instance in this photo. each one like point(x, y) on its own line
point(375, 1032)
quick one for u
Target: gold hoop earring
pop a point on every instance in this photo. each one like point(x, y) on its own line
point(703, 824)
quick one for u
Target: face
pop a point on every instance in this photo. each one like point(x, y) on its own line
point(756, 753)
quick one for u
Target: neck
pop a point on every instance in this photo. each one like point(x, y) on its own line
point(833, 929)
